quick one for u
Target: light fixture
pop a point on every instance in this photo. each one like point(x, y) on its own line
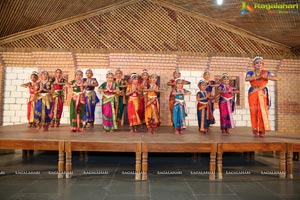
point(219, 2)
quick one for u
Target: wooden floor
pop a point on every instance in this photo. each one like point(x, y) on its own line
point(141, 143)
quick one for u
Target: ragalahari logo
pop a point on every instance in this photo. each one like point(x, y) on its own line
point(271, 8)
point(246, 8)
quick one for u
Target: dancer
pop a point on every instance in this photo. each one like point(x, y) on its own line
point(43, 105)
point(202, 107)
point(133, 91)
point(109, 102)
point(91, 98)
point(121, 97)
point(144, 84)
point(57, 97)
point(152, 105)
point(209, 91)
point(172, 84)
point(226, 104)
point(179, 108)
point(258, 96)
point(77, 103)
point(33, 96)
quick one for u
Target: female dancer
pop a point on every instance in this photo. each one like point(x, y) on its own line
point(172, 84)
point(133, 91)
point(209, 90)
point(226, 104)
point(77, 103)
point(109, 102)
point(179, 108)
point(152, 105)
point(91, 98)
point(43, 105)
point(121, 97)
point(258, 96)
point(57, 97)
point(144, 84)
point(202, 107)
point(33, 96)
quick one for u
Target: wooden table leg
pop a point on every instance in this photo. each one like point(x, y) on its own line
point(138, 162)
point(220, 165)
point(195, 157)
point(61, 159)
point(27, 155)
point(68, 150)
point(24, 155)
point(212, 166)
point(282, 166)
point(290, 165)
point(144, 166)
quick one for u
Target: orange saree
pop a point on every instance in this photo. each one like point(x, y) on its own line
point(258, 103)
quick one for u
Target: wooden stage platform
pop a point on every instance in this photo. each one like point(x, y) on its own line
point(141, 143)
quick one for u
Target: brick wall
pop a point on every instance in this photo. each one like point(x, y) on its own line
point(2, 80)
point(287, 96)
point(16, 68)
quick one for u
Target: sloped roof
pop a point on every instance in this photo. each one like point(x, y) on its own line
point(144, 25)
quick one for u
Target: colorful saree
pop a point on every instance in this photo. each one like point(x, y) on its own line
point(210, 107)
point(31, 102)
point(259, 102)
point(171, 100)
point(91, 100)
point(121, 97)
point(202, 112)
point(57, 99)
point(179, 111)
point(77, 108)
point(109, 103)
point(43, 106)
point(143, 85)
point(133, 108)
point(152, 108)
point(226, 106)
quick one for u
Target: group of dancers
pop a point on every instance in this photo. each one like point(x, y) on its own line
point(139, 95)
point(223, 92)
point(47, 95)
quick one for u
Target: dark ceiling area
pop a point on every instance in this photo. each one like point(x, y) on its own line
point(280, 25)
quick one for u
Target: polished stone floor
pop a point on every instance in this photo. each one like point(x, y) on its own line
point(109, 176)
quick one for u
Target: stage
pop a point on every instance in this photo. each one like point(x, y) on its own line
point(143, 144)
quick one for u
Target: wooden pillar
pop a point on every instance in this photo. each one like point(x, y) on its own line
point(282, 165)
point(68, 150)
point(212, 162)
point(138, 157)
point(61, 158)
point(219, 161)
point(144, 166)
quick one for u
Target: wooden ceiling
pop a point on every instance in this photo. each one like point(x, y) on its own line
point(283, 28)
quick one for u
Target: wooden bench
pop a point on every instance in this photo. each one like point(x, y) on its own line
point(37, 144)
point(249, 147)
point(178, 147)
point(103, 146)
